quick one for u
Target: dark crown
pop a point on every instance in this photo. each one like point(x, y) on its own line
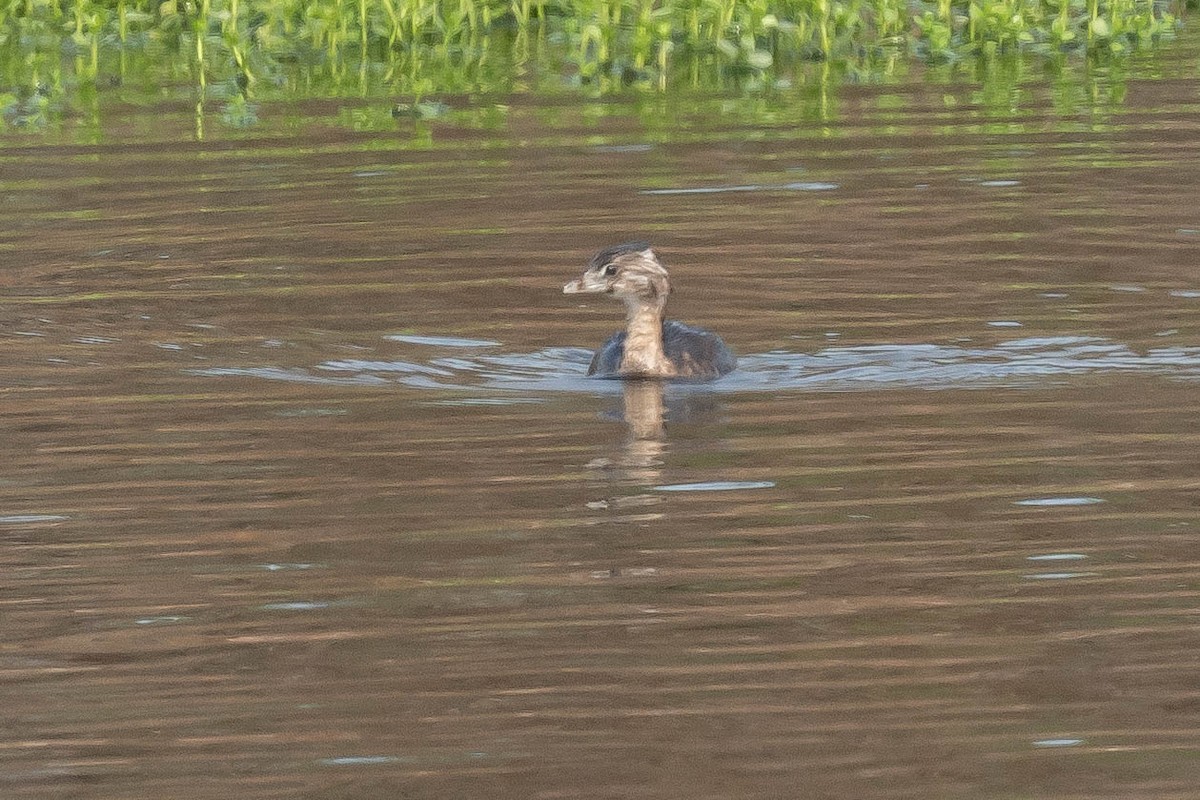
point(609, 253)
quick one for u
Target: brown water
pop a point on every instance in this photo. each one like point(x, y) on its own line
point(305, 493)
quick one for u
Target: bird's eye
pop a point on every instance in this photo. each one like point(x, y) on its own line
point(610, 270)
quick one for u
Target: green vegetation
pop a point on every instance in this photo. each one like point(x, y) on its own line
point(252, 49)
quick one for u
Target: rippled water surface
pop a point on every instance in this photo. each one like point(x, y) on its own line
point(306, 493)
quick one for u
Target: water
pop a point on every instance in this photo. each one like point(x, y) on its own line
point(307, 494)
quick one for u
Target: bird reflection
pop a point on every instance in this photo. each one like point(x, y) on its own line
point(645, 433)
point(644, 410)
point(629, 477)
point(640, 461)
point(647, 407)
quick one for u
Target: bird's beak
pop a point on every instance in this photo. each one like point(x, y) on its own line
point(574, 287)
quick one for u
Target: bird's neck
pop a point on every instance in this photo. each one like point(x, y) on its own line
point(644, 353)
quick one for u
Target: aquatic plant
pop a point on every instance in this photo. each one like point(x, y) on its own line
point(257, 48)
point(953, 30)
point(632, 34)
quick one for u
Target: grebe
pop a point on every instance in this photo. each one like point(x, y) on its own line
point(649, 347)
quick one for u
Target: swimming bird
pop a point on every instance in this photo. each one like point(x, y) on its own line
point(650, 346)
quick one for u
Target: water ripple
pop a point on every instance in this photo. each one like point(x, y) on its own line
point(1059, 501)
point(795, 186)
point(440, 341)
point(714, 486)
point(1057, 557)
point(359, 365)
point(280, 374)
point(1059, 576)
point(1023, 362)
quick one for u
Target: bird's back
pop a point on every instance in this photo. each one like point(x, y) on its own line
point(695, 353)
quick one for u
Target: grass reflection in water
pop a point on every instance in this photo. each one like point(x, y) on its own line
point(56, 57)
